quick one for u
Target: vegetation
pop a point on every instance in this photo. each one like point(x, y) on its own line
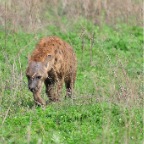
point(107, 104)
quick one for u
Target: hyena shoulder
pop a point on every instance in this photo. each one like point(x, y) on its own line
point(51, 45)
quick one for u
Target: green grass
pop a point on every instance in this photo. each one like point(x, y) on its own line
point(107, 104)
point(92, 123)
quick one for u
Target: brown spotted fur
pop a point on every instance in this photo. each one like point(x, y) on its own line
point(53, 63)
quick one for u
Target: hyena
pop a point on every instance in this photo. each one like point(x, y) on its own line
point(53, 62)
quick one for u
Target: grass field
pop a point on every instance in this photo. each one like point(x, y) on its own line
point(107, 104)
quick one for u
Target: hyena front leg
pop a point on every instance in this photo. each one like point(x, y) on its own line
point(37, 98)
point(53, 90)
point(59, 86)
point(50, 90)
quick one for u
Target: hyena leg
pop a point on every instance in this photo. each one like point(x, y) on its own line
point(37, 98)
point(69, 84)
point(59, 86)
point(54, 90)
point(50, 90)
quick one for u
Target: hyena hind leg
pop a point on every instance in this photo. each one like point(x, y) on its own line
point(69, 84)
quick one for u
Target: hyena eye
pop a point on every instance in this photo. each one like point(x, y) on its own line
point(38, 77)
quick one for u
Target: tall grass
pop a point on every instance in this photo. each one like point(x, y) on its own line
point(36, 14)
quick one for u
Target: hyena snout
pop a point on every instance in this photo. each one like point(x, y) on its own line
point(33, 87)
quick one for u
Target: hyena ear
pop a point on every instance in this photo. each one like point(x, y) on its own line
point(47, 60)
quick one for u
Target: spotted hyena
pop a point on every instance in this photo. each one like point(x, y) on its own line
point(53, 63)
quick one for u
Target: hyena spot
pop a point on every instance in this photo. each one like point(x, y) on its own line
point(56, 51)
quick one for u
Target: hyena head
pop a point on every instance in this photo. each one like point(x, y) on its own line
point(36, 74)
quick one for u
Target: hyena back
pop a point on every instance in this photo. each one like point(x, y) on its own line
point(53, 63)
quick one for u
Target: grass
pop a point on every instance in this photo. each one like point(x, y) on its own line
point(108, 101)
point(92, 123)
